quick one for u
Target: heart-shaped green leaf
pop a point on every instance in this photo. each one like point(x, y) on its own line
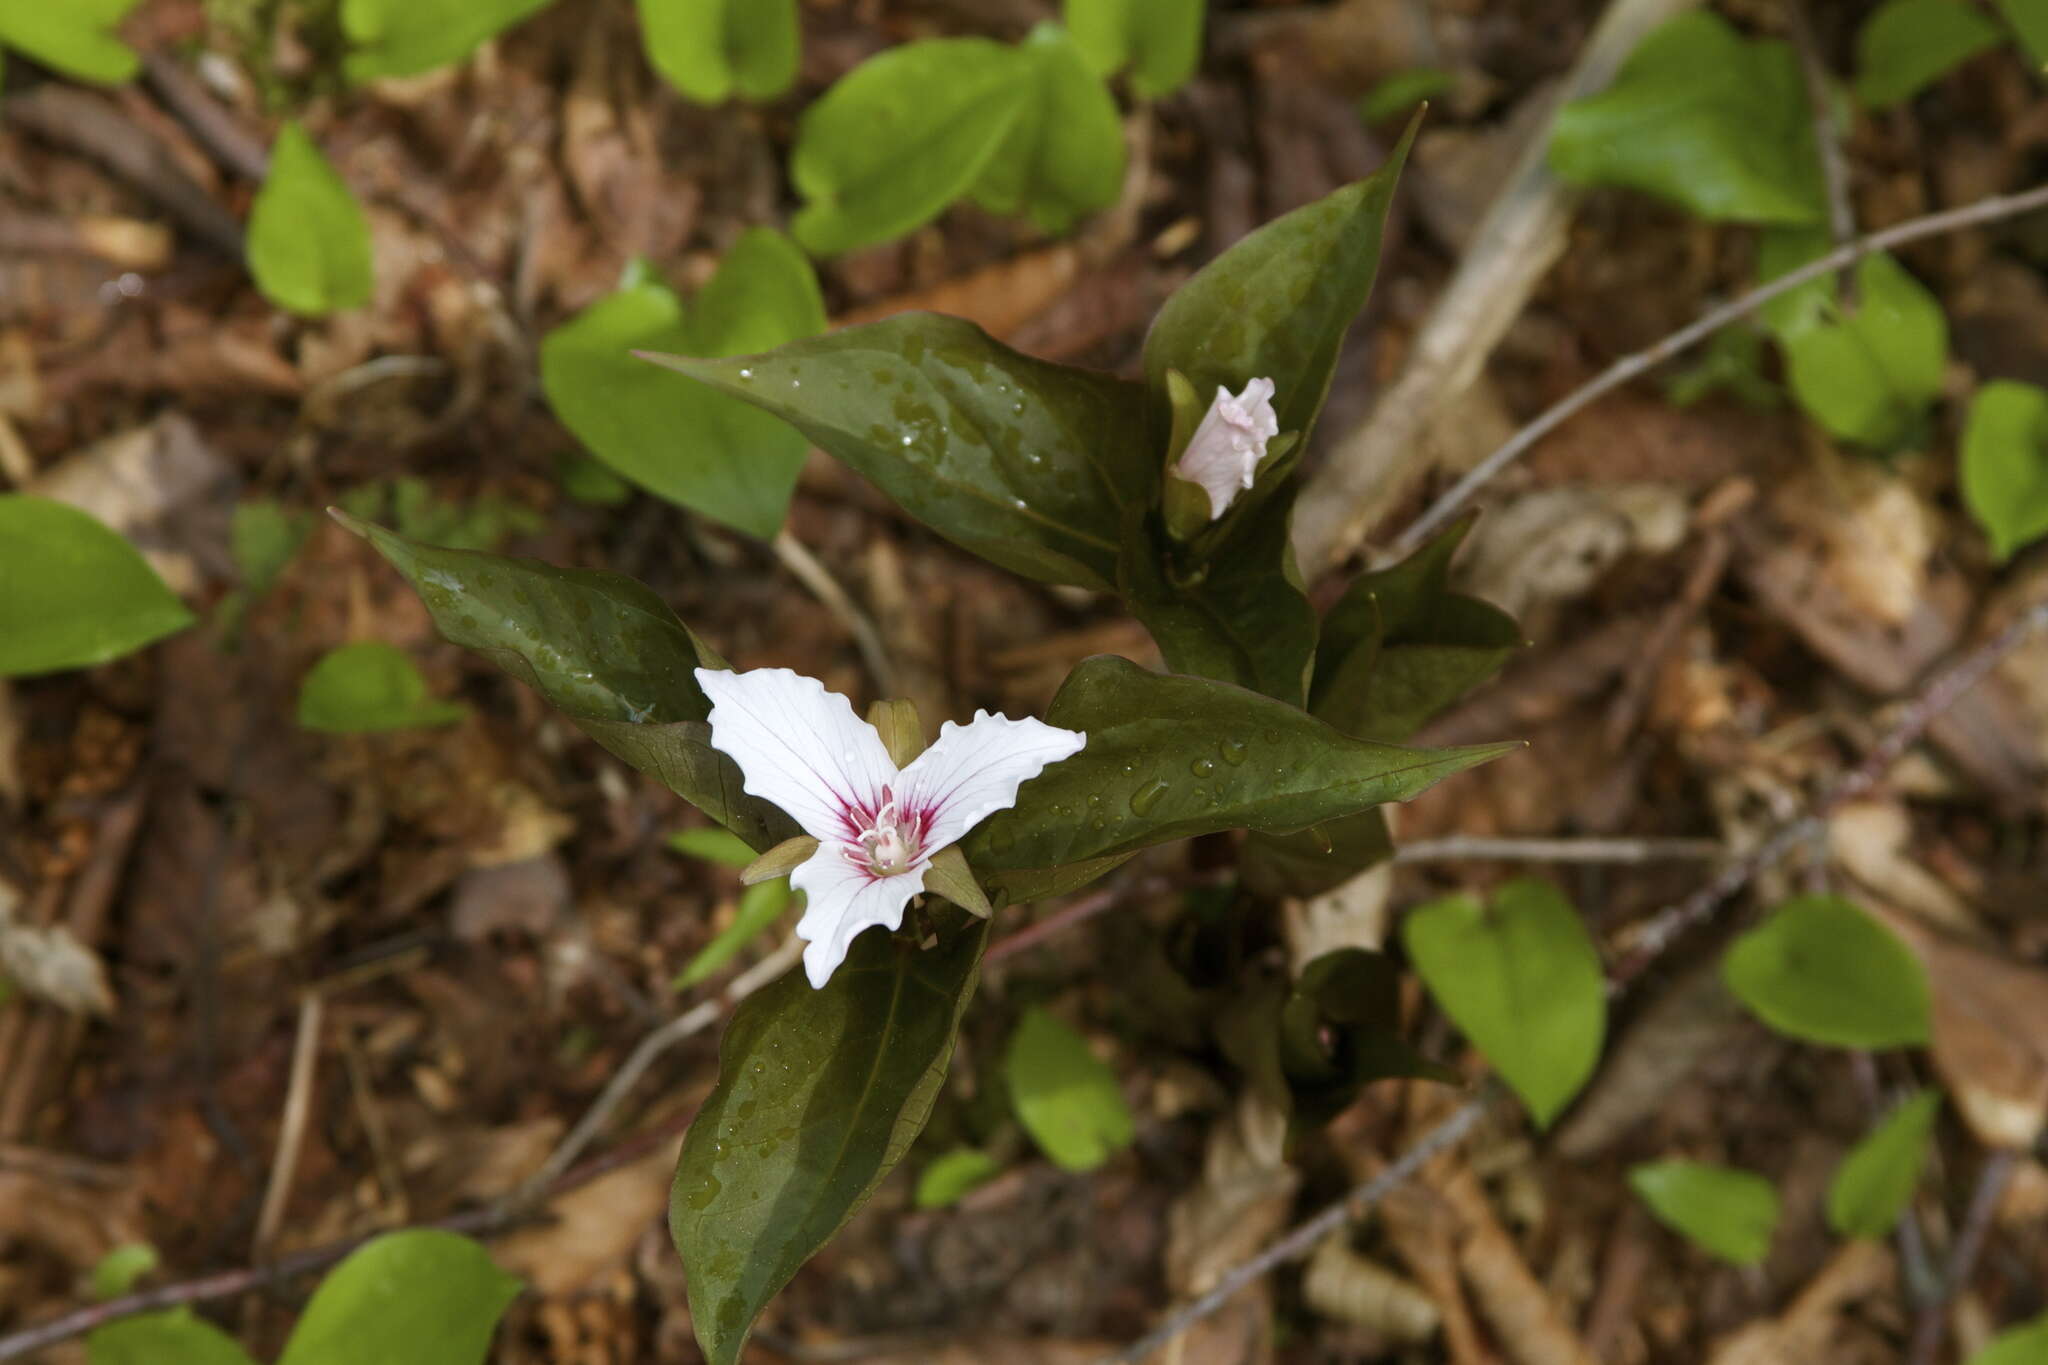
point(901, 136)
point(1522, 979)
point(2005, 463)
point(1159, 40)
point(1063, 157)
point(711, 49)
point(1821, 970)
point(1907, 45)
point(1064, 1095)
point(172, 1338)
point(1026, 463)
point(1703, 117)
point(1727, 1212)
point(309, 244)
point(1874, 1182)
point(419, 1297)
point(602, 649)
point(76, 37)
point(820, 1093)
point(1277, 304)
point(368, 687)
point(1399, 646)
point(72, 593)
point(697, 448)
point(1867, 374)
point(1171, 757)
point(406, 37)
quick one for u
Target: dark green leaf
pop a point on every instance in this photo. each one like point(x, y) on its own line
point(1907, 45)
point(1729, 1213)
point(406, 37)
point(2005, 463)
point(1823, 971)
point(1278, 303)
point(1340, 1030)
point(1170, 757)
point(76, 37)
point(368, 687)
point(1312, 861)
point(1731, 362)
point(1063, 157)
point(1523, 980)
point(309, 244)
point(1399, 93)
point(699, 449)
point(1241, 617)
point(820, 1093)
point(1874, 1182)
point(1064, 1095)
point(72, 593)
point(760, 906)
point(2026, 1344)
point(901, 136)
point(1399, 646)
point(1160, 40)
point(604, 650)
point(710, 49)
point(953, 1175)
point(1703, 117)
point(420, 1297)
point(1026, 463)
point(173, 1338)
point(2029, 21)
point(590, 481)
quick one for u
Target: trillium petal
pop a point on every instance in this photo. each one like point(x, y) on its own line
point(1224, 453)
point(974, 770)
point(799, 746)
point(841, 899)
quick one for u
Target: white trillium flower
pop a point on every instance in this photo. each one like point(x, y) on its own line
point(1224, 453)
point(877, 827)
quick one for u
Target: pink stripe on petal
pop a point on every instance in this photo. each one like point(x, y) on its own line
point(974, 770)
point(800, 747)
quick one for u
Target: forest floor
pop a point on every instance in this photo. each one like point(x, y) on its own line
point(366, 982)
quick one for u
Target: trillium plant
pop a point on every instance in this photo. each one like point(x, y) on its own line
point(1272, 725)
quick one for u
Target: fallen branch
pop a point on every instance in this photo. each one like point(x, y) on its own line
point(1990, 210)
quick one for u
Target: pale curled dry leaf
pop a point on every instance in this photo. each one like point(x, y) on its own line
point(1554, 543)
point(1352, 914)
point(1871, 840)
point(1340, 1283)
point(1242, 1202)
point(51, 964)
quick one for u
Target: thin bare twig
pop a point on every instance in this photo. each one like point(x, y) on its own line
point(1834, 167)
point(1460, 847)
point(817, 580)
point(1962, 1257)
point(1664, 930)
point(1984, 211)
point(291, 1128)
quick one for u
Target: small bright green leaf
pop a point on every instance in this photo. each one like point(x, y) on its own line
point(1064, 1095)
point(1523, 980)
point(1907, 45)
point(710, 49)
point(1399, 93)
point(2026, 1344)
point(406, 37)
point(1731, 362)
point(820, 1093)
point(901, 136)
point(1823, 971)
point(601, 648)
point(1160, 40)
point(1277, 304)
point(264, 536)
point(420, 1297)
point(1063, 157)
point(760, 906)
point(72, 593)
point(1171, 757)
point(481, 522)
point(76, 37)
point(173, 1338)
point(713, 845)
point(1870, 375)
point(1704, 117)
point(2005, 463)
point(367, 688)
point(590, 481)
point(1729, 1213)
point(120, 1268)
point(2029, 20)
point(952, 1175)
point(309, 244)
point(1874, 1182)
point(681, 441)
point(1028, 464)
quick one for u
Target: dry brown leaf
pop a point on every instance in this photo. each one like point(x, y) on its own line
point(1525, 1321)
point(1799, 1336)
point(1247, 1188)
point(1001, 297)
point(595, 1226)
point(1554, 543)
point(77, 1226)
point(1340, 1283)
point(525, 897)
point(1871, 840)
